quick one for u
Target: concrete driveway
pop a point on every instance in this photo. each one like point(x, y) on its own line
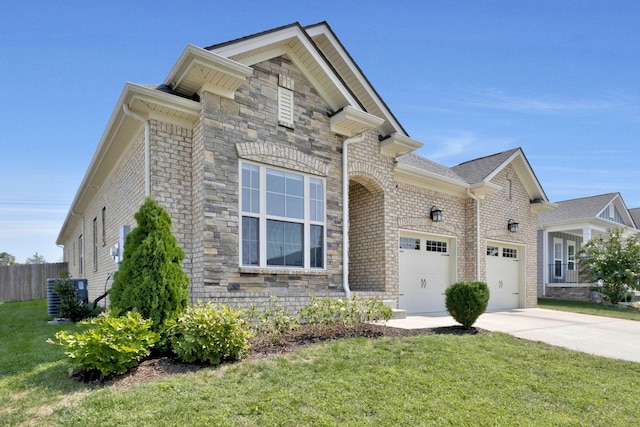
point(602, 336)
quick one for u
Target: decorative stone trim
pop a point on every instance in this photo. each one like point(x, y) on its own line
point(286, 271)
point(282, 156)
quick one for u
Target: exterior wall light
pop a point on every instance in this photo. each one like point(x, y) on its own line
point(435, 214)
point(513, 226)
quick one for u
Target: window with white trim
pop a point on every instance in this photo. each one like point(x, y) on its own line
point(409, 243)
point(436, 246)
point(283, 218)
point(509, 253)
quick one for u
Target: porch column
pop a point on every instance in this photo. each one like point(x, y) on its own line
point(586, 235)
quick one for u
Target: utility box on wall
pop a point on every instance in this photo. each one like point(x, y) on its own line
point(53, 299)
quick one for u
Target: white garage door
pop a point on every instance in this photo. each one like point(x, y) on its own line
point(503, 276)
point(424, 273)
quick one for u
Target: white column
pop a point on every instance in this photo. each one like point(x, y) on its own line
point(586, 235)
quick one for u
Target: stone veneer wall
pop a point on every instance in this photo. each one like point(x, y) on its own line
point(247, 127)
point(573, 293)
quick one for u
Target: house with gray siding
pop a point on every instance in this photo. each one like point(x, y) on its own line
point(561, 234)
point(286, 174)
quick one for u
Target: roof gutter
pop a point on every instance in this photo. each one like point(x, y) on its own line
point(147, 147)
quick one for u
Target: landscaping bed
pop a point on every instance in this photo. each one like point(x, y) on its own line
point(159, 367)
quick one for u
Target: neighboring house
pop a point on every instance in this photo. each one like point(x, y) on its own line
point(286, 174)
point(563, 231)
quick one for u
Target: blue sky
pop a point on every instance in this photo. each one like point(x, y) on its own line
point(561, 79)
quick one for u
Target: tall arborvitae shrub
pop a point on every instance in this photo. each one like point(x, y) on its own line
point(150, 279)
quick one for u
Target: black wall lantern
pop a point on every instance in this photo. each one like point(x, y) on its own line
point(436, 214)
point(513, 226)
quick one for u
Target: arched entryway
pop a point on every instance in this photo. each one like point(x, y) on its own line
point(366, 235)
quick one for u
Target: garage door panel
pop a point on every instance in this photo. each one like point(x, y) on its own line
point(424, 273)
point(503, 277)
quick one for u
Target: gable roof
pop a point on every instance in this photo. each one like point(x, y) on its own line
point(474, 175)
point(635, 216)
point(586, 209)
point(322, 59)
point(477, 170)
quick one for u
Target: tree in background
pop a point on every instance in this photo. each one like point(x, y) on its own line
point(7, 259)
point(150, 279)
point(35, 259)
point(613, 263)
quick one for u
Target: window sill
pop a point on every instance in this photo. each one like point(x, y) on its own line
point(284, 270)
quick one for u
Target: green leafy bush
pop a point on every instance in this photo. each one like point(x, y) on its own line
point(209, 333)
point(111, 346)
point(466, 301)
point(150, 279)
point(613, 265)
point(323, 312)
point(70, 307)
point(271, 322)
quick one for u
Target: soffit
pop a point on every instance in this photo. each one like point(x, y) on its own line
point(293, 42)
point(198, 68)
point(353, 76)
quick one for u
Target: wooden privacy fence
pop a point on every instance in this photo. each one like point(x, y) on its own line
point(22, 282)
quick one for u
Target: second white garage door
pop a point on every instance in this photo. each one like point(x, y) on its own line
point(425, 265)
point(503, 276)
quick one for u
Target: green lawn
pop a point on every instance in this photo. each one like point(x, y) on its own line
point(474, 380)
point(620, 312)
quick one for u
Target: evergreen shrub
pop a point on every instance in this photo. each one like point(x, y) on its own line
point(466, 301)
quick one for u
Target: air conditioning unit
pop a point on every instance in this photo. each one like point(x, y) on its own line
point(53, 299)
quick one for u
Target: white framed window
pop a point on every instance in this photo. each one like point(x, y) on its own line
point(436, 246)
point(282, 218)
point(571, 255)
point(409, 243)
point(509, 253)
point(493, 250)
point(557, 257)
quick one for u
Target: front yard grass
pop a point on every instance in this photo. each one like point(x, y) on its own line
point(620, 311)
point(484, 379)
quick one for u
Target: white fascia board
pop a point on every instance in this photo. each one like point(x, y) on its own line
point(520, 156)
point(426, 179)
point(399, 144)
point(112, 133)
point(351, 121)
point(194, 56)
point(321, 29)
point(279, 43)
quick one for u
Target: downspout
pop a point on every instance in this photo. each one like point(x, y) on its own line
point(345, 211)
point(147, 144)
point(477, 199)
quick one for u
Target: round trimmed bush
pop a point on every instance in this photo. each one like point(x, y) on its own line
point(466, 301)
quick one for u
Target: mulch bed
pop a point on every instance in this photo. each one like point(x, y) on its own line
point(159, 367)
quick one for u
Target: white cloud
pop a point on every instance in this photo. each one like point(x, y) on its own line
point(461, 146)
point(499, 100)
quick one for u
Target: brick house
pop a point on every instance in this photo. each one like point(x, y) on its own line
point(285, 174)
